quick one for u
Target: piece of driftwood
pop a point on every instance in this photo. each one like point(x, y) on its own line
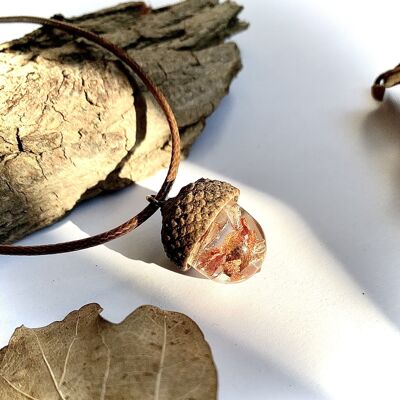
point(71, 126)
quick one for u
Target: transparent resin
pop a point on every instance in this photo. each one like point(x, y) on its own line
point(232, 249)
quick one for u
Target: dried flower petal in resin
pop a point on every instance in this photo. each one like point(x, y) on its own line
point(232, 249)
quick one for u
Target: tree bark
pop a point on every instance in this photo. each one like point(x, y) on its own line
point(71, 126)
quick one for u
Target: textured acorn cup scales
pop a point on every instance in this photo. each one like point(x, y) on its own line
point(187, 217)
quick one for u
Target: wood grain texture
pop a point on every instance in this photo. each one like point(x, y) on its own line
point(74, 123)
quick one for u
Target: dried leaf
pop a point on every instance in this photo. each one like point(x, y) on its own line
point(152, 354)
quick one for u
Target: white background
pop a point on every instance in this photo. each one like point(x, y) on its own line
point(318, 163)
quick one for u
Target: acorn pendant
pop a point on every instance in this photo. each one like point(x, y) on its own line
point(204, 228)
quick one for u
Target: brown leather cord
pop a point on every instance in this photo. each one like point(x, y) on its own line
point(153, 206)
point(378, 88)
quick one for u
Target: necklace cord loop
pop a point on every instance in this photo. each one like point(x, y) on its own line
point(378, 88)
point(157, 199)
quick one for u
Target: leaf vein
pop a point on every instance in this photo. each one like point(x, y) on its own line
point(107, 371)
point(162, 359)
point(53, 378)
point(69, 352)
point(28, 396)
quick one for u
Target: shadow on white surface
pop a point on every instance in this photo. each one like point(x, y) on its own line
point(381, 134)
point(323, 314)
point(144, 243)
point(63, 284)
point(300, 329)
point(298, 125)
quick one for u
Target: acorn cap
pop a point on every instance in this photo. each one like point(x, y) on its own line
point(187, 217)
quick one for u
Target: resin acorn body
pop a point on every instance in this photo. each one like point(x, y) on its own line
point(205, 228)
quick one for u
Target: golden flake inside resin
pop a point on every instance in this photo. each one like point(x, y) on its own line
point(232, 249)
